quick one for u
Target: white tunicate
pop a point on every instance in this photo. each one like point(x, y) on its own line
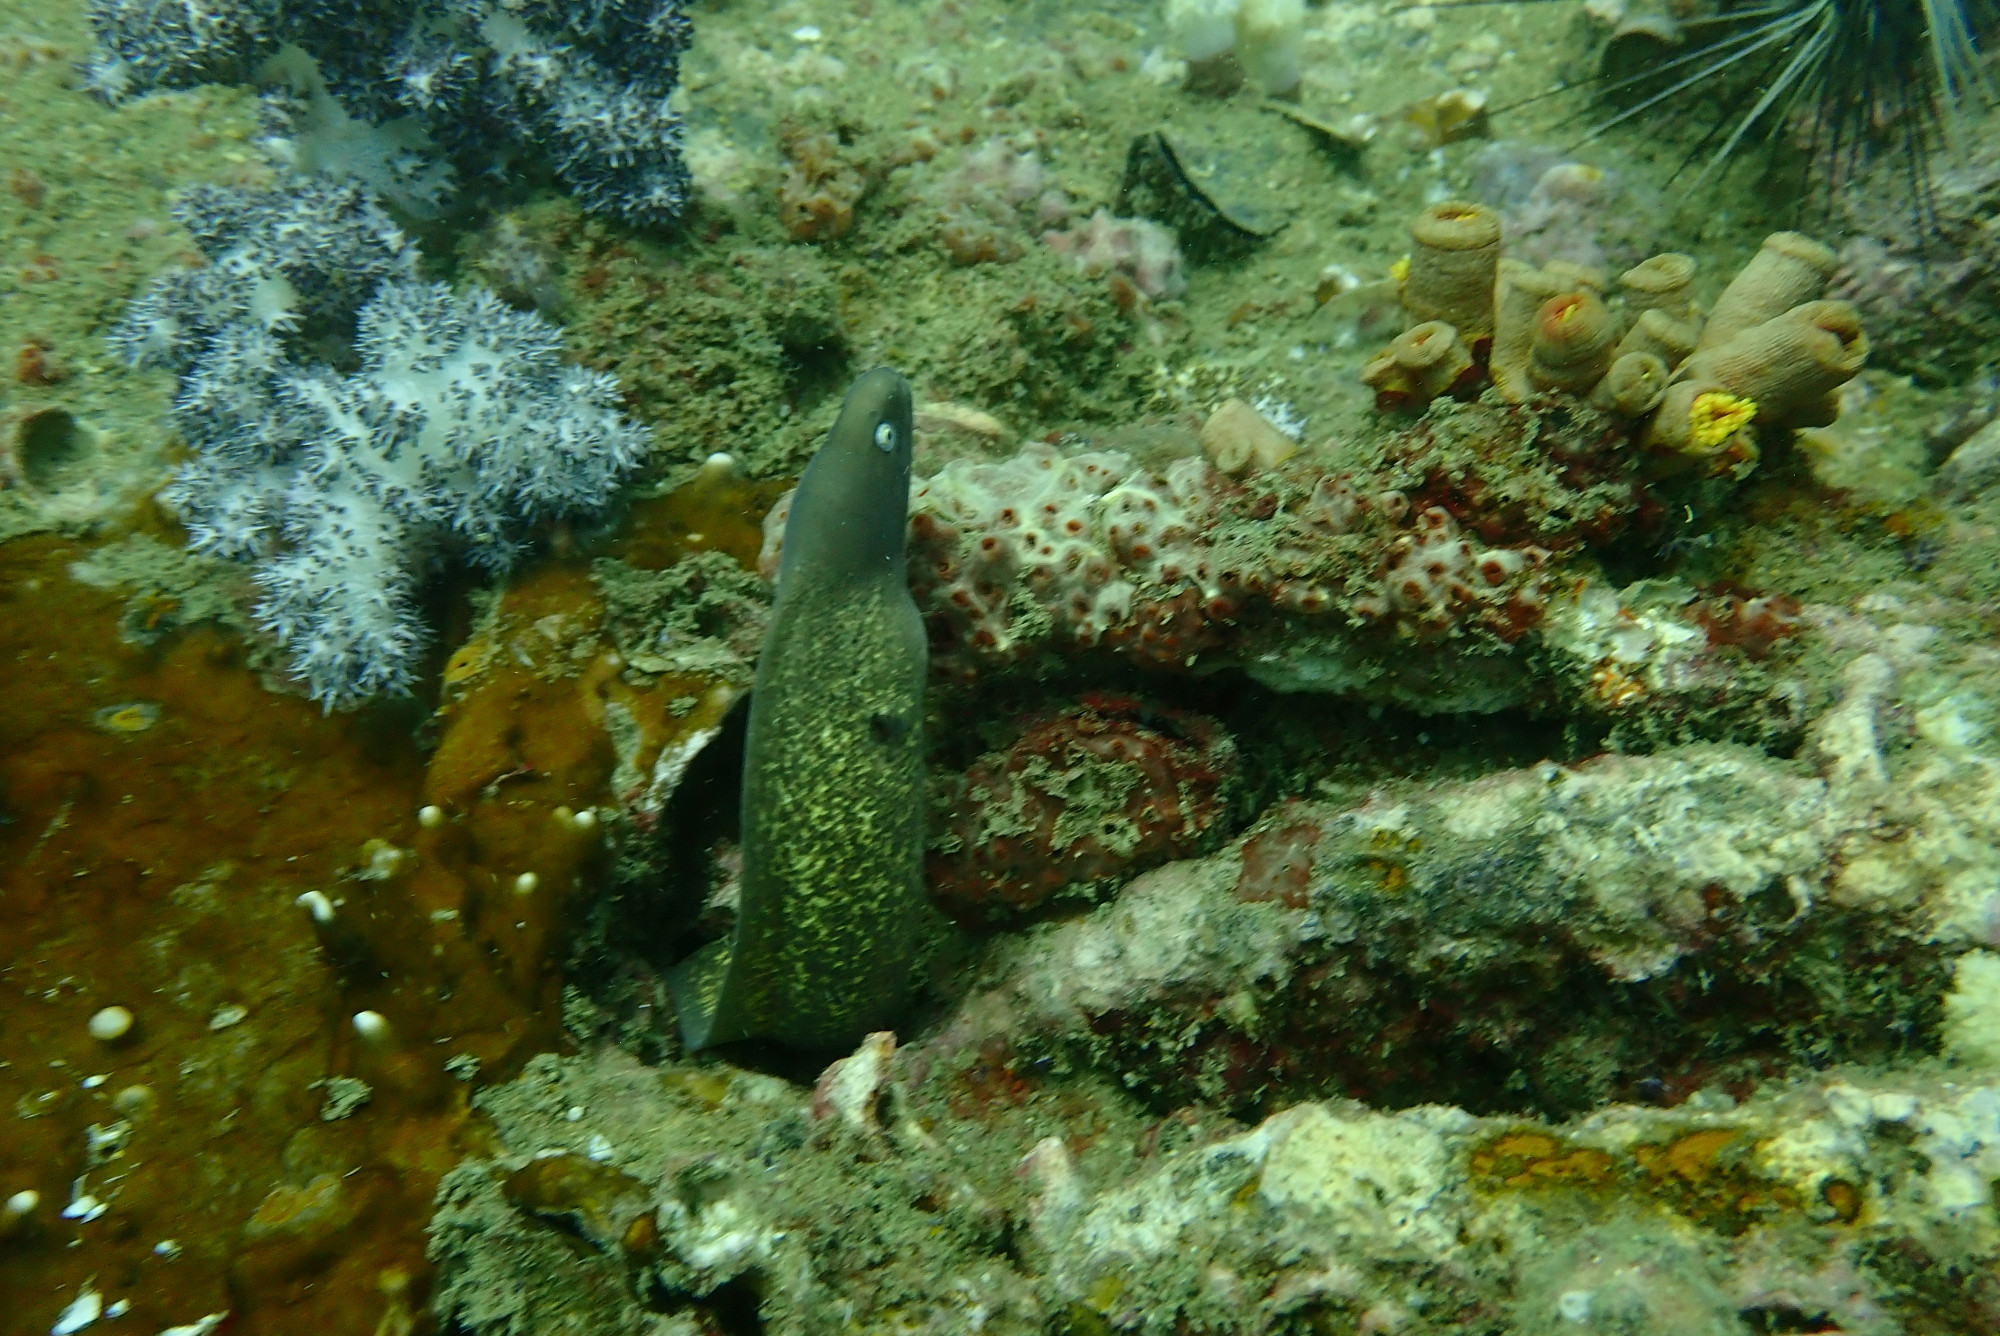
point(21, 1203)
point(111, 1023)
point(202, 1327)
point(1204, 28)
point(585, 820)
point(371, 1025)
point(1893, 1107)
point(316, 904)
point(1268, 37)
point(430, 816)
point(83, 1310)
point(85, 1208)
point(526, 883)
point(1574, 1305)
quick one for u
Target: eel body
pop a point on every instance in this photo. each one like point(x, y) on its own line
point(832, 804)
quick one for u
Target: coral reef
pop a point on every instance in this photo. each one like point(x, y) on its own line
point(459, 433)
point(334, 934)
point(1447, 569)
point(477, 84)
point(1085, 796)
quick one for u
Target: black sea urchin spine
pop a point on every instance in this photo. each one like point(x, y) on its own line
point(1857, 77)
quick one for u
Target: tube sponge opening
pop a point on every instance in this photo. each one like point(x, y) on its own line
point(1572, 344)
point(1454, 259)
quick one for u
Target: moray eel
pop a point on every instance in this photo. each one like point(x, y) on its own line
point(833, 808)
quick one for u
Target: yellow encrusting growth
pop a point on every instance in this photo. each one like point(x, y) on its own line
point(1716, 416)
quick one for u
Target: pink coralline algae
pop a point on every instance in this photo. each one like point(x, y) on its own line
point(1089, 793)
point(989, 202)
point(1557, 209)
point(1132, 250)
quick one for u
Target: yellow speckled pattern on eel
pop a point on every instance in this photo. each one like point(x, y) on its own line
point(833, 811)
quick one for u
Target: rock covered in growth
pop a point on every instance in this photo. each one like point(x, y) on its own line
point(1709, 1221)
point(1086, 794)
point(1444, 568)
point(479, 84)
point(935, 1198)
point(1705, 914)
point(461, 431)
point(1447, 542)
point(1601, 1012)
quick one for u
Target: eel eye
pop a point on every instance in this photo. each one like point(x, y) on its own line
point(885, 436)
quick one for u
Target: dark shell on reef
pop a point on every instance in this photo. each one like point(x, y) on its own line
point(1210, 194)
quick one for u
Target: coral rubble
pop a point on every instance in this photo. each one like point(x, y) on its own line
point(1707, 916)
point(1707, 1218)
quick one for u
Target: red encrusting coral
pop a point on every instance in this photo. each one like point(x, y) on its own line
point(1089, 793)
point(1278, 861)
point(1753, 623)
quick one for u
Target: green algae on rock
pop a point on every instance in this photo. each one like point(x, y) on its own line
point(833, 812)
